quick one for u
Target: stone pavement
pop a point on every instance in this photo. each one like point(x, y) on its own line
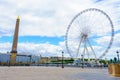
point(93, 74)
point(54, 73)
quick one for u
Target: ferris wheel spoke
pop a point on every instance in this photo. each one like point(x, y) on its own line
point(79, 25)
point(92, 48)
point(79, 47)
point(83, 54)
point(87, 53)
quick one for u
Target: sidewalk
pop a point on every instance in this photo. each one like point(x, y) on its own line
point(54, 73)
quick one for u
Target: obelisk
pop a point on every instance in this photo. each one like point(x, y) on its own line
point(15, 41)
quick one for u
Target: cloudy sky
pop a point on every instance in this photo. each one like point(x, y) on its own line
point(43, 24)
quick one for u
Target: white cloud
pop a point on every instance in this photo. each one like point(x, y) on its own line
point(45, 49)
point(50, 18)
point(5, 47)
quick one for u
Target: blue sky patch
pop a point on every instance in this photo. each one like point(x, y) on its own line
point(33, 39)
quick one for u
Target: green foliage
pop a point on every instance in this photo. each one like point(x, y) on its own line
point(71, 60)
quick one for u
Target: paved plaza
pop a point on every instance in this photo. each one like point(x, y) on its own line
point(54, 73)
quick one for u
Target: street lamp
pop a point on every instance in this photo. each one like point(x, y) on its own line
point(117, 55)
point(57, 62)
point(82, 61)
point(62, 59)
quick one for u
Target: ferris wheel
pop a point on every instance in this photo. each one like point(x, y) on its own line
point(89, 34)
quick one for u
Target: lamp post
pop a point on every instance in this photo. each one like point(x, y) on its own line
point(57, 62)
point(62, 59)
point(82, 61)
point(117, 55)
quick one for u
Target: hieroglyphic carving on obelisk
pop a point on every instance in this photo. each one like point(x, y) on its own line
point(15, 41)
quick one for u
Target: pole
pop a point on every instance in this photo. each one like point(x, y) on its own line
point(118, 55)
point(57, 62)
point(62, 59)
point(82, 61)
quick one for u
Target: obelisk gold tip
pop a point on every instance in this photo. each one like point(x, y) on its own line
point(18, 17)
